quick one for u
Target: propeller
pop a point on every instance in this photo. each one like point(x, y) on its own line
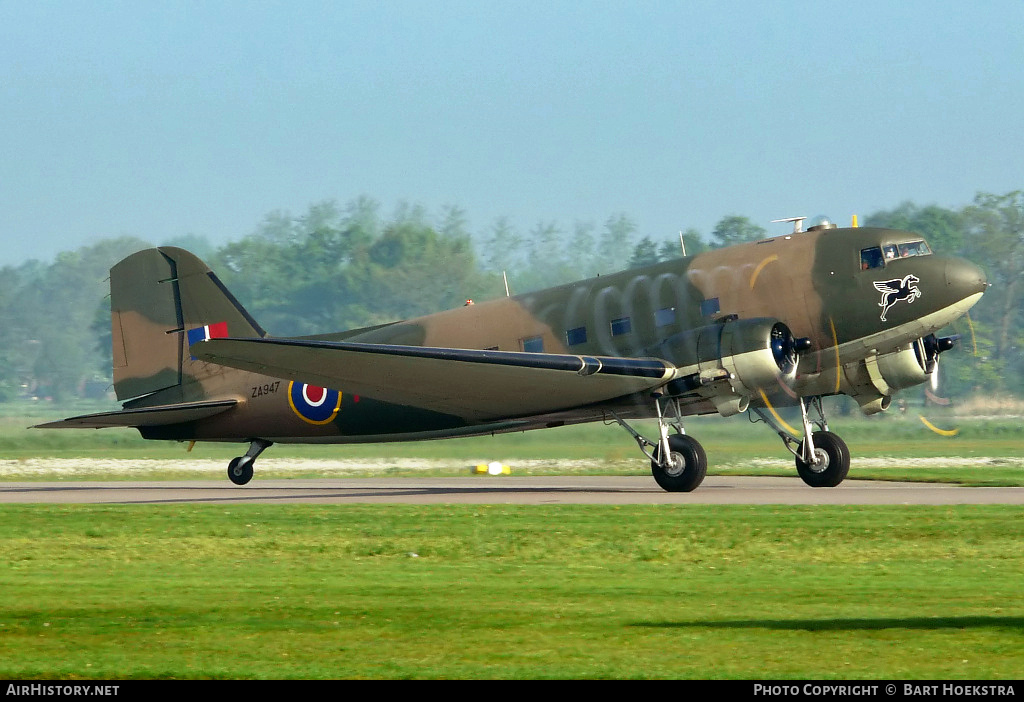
point(933, 347)
point(786, 348)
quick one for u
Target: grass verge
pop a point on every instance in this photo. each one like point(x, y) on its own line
point(395, 591)
point(983, 453)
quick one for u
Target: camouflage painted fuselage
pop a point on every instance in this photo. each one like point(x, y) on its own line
point(862, 308)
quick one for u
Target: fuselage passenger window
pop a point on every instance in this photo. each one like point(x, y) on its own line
point(664, 316)
point(621, 326)
point(574, 337)
point(533, 344)
point(709, 307)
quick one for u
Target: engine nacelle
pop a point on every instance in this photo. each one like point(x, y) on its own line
point(873, 381)
point(750, 354)
point(901, 369)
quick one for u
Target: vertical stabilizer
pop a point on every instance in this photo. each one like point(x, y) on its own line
point(159, 298)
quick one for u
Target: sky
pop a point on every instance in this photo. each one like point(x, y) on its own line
point(164, 119)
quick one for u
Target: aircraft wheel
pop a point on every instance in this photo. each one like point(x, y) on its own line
point(240, 470)
point(688, 468)
point(834, 461)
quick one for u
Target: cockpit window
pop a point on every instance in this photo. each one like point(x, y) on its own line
point(877, 256)
point(871, 258)
point(914, 248)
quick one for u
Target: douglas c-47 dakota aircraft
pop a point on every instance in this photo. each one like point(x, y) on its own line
point(783, 321)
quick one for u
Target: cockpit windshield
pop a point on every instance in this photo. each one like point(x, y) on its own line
point(877, 256)
point(913, 248)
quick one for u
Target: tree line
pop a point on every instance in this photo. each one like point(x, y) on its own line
point(344, 266)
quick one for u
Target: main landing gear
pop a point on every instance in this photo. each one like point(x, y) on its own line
point(240, 469)
point(679, 463)
point(822, 458)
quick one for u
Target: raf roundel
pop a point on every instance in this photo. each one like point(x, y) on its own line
point(314, 404)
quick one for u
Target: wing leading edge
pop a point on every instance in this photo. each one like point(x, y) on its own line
point(477, 385)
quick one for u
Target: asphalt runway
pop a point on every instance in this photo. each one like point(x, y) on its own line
point(503, 490)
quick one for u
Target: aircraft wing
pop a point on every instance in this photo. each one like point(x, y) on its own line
point(477, 385)
point(143, 416)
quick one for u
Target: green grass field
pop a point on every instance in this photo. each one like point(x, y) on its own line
point(889, 447)
point(393, 591)
point(511, 592)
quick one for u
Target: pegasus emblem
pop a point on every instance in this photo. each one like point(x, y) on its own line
point(895, 290)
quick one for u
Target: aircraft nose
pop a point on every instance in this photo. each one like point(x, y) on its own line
point(964, 278)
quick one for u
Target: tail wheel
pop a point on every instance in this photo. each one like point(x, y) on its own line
point(686, 468)
point(240, 470)
point(832, 461)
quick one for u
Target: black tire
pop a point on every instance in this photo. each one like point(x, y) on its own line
point(836, 463)
point(240, 470)
point(694, 465)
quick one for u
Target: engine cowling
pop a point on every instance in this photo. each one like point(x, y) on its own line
point(748, 354)
point(873, 381)
point(758, 353)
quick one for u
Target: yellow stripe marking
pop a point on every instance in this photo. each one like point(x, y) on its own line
point(775, 414)
point(940, 432)
point(974, 341)
point(762, 264)
point(835, 345)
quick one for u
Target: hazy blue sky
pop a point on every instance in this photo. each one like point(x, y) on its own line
point(160, 119)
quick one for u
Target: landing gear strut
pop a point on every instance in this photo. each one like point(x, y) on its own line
point(822, 458)
point(240, 469)
point(678, 461)
point(679, 464)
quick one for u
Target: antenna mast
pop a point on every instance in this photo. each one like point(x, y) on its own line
point(797, 223)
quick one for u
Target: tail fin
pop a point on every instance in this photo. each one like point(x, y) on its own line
point(159, 298)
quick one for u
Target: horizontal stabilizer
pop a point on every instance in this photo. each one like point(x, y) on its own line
point(474, 384)
point(144, 416)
